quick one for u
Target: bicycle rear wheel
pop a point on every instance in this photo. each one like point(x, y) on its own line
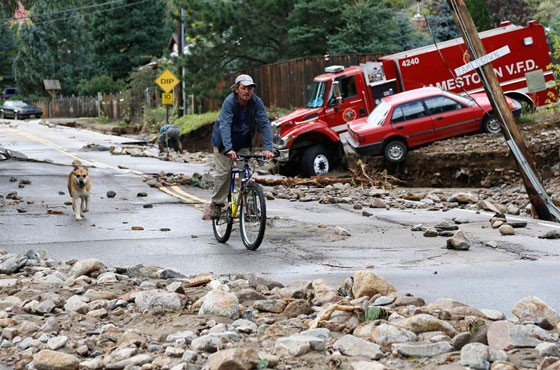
point(222, 225)
point(253, 216)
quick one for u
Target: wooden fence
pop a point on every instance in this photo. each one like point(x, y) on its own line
point(110, 106)
point(287, 84)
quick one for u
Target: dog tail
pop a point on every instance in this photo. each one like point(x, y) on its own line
point(76, 163)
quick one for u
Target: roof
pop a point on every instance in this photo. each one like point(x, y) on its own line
point(449, 43)
point(412, 94)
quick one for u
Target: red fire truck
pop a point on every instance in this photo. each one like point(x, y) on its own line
point(308, 138)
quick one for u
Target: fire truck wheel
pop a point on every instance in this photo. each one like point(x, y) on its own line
point(315, 161)
point(491, 125)
point(395, 151)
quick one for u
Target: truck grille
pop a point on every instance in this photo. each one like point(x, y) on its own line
point(276, 133)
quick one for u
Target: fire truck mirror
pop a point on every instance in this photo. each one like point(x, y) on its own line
point(336, 92)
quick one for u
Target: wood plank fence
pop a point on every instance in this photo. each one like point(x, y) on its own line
point(287, 84)
point(110, 106)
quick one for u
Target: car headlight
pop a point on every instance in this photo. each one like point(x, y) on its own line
point(286, 140)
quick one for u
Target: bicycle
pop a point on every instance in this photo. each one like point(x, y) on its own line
point(248, 204)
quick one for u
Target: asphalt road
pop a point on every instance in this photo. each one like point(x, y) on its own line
point(295, 247)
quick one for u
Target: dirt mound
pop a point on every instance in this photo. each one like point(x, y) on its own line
point(479, 160)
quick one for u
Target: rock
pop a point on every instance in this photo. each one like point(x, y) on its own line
point(341, 231)
point(207, 343)
point(141, 271)
point(270, 306)
point(174, 352)
point(111, 194)
point(77, 304)
point(86, 267)
point(107, 277)
point(368, 283)
point(552, 234)
point(296, 345)
point(459, 241)
point(324, 293)
point(187, 335)
point(258, 279)
point(461, 340)
point(350, 345)
point(95, 295)
point(57, 342)
point(367, 365)
point(464, 198)
point(383, 300)
point(245, 326)
point(51, 324)
point(493, 315)
point(506, 335)
point(152, 299)
point(53, 360)
point(248, 294)
point(533, 307)
point(45, 307)
point(479, 356)
point(234, 358)
point(378, 203)
point(8, 282)
point(142, 194)
point(548, 349)
point(423, 350)
point(503, 365)
point(407, 301)
point(220, 303)
point(297, 307)
point(384, 334)
point(458, 313)
point(94, 364)
point(12, 265)
point(506, 230)
point(431, 232)
point(423, 323)
point(170, 274)
point(189, 356)
point(137, 360)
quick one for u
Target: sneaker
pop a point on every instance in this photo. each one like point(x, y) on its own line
point(215, 210)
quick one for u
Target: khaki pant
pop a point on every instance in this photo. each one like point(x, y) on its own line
point(222, 176)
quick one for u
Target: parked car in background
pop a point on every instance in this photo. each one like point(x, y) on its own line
point(8, 92)
point(19, 109)
point(416, 117)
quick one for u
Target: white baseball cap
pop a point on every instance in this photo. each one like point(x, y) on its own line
point(245, 80)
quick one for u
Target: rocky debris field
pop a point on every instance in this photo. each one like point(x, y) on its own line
point(83, 314)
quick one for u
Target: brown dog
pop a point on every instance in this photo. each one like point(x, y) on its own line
point(79, 186)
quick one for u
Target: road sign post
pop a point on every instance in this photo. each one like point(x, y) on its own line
point(167, 100)
point(167, 81)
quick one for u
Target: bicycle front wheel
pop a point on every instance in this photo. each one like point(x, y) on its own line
point(253, 216)
point(222, 225)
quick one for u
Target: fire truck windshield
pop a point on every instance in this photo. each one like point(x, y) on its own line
point(318, 93)
point(377, 117)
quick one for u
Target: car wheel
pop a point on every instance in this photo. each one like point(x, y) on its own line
point(491, 125)
point(395, 151)
point(315, 161)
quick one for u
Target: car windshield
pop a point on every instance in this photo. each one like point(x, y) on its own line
point(377, 117)
point(318, 93)
point(19, 103)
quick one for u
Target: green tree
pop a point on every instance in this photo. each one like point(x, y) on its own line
point(226, 36)
point(516, 11)
point(370, 27)
point(312, 23)
point(8, 51)
point(128, 37)
point(441, 22)
point(52, 50)
point(480, 14)
point(103, 84)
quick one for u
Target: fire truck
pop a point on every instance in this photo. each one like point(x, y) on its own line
point(308, 139)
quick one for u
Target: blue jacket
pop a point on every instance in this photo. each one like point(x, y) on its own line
point(221, 136)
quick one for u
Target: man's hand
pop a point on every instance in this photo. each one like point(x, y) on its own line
point(232, 154)
point(268, 154)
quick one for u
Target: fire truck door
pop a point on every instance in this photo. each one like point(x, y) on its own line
point(449, 117)
point(350, 107)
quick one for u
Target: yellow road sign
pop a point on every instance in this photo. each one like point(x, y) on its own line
point(167, 98)
point(167, 81)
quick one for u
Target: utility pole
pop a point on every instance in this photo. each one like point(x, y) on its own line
point(179, 94)
point(543, 206)
point(182, 76)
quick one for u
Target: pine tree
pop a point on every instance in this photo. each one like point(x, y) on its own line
point(50, 50)
point(442, 24)
point(8, 51)
point(365, 29)
point(480, 13)
point(128, 37)
point(312, 23)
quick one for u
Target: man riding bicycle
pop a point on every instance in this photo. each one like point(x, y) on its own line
point(233, 133)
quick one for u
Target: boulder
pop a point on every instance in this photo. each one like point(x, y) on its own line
point(533, 307)
point(152, 299)
point(423, 323)
point(234, 358)
point(384, 334)
point(350, 345)
point(86, 267)
point(220, 303)
point(368, 283)
point(53, 360)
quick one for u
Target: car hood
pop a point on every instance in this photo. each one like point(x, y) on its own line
point(482, 99)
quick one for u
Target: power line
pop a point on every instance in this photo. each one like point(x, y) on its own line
point(69, 10)
point(95, 12)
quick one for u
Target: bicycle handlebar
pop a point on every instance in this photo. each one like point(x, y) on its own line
point(259, 157)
